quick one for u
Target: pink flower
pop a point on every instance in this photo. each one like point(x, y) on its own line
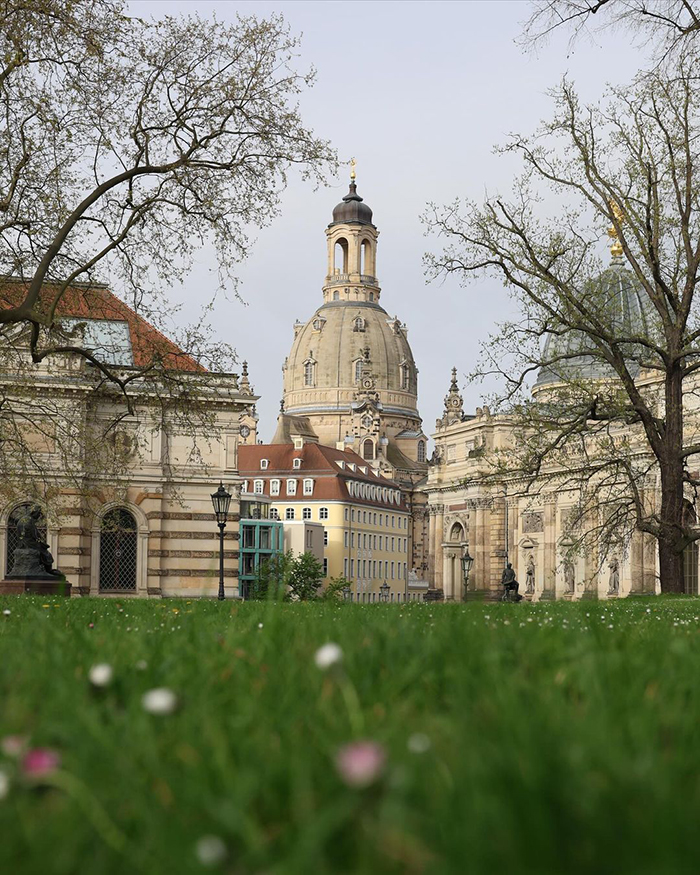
point(40, 762)
point(360, 763)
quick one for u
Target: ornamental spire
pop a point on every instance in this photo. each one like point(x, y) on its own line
point(616, 248)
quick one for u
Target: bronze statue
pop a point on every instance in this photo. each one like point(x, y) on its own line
point(510, 585)
point(32, 557)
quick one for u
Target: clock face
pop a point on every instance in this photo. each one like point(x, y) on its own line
point(245, 431)
point(367, 383)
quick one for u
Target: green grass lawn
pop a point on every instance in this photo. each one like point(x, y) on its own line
point(549, 738)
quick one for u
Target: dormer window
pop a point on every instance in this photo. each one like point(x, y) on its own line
point(308, 487)
point(291, 487)
point(358, 324)
point(405, 376)
point(318, 324)
point(309, 369)
point(296, 463)
point(274, 487)
point(340, 464)
point(263, 464)
point(298, 443)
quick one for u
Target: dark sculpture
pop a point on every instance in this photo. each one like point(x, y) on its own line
point(510, 585)
point(32, 557)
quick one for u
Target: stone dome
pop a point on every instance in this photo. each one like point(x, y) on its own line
point(346, 349)
point(352, 209)
point(622, 302)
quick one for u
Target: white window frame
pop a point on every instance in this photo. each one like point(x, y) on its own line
point(308, 487)
point(306, 513)
point(296, 463)
point(291, 487)
point(264, 464)
point(275, 487)
point(258, 487)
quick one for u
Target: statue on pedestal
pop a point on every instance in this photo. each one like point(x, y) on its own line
point(32, 557)
point(614, 578)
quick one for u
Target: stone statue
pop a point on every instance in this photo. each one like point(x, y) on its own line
point(614, 578)
point(530, 575)
point(569, 576)
point(32, 557)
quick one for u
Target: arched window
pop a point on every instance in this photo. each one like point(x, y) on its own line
point(405, 376)
point(367, 258)
point(368, 449)
point(358, 370)
point(118, 538)
point(12, 536)
point(340, 256)
point(421, 451)
point(336, 295)
point(371, 296)
point(359, 324)
point(308, 373)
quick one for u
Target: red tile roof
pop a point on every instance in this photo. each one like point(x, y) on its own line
point(318, 462)
point(148, 344)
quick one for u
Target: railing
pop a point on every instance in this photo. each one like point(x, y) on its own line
point(339, 279)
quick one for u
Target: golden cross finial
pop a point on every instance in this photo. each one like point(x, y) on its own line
point(353, 164)
point(616, 248)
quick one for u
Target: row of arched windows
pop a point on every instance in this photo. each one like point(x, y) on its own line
point(340, 257)
point(118, 546)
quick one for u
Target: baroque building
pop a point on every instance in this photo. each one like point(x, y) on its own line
point(125, 493)
point(537, 526)
point(350, 379)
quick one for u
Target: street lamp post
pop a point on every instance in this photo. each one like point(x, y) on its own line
point(384, 592)
point(467, 562)
point(221, 499)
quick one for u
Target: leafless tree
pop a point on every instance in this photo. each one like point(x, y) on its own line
point(666, 25)
point(618, 409)
point(126, 146)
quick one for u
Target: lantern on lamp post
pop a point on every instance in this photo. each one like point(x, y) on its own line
point(221, 499)
point(467, 562)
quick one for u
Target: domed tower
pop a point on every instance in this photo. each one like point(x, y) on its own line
point(350, 377)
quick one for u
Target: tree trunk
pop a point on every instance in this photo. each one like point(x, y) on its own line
point(671, 540)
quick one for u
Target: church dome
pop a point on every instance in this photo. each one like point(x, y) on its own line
point(347, 349)
point(352, 209)
point(621, 302)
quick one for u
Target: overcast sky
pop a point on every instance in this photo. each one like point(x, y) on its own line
point(419, 93)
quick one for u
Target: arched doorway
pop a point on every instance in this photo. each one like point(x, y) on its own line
point(12, 536)
point(118, 538)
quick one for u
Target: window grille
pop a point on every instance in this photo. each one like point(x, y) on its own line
point(323, 513)
point(306, 513)
point(118, 539)
point(290, 513)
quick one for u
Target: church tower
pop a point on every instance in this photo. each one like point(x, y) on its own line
point(350, 374)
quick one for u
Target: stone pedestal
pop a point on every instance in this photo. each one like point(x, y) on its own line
point(29, 576)
point(48, 586)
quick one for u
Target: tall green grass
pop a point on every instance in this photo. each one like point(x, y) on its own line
point(561, 738)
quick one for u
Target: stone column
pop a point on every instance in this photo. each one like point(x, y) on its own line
point(550, 553)
point(437, 546)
